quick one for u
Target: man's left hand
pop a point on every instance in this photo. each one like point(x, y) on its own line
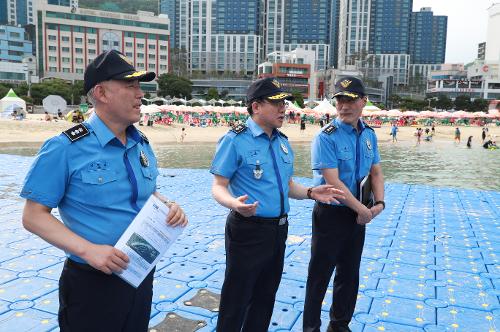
point(376, 209)
point(176, 216)
point(327, 194)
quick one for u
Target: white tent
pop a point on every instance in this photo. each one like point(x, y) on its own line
point(11, 102)
point(324, 107)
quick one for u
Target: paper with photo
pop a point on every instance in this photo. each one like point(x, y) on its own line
point(146, 240)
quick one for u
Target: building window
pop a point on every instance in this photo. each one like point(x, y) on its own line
point(65, 70)
point(78, 60)
point(151, 56)
point(140, 45)
point(51, 37)
point(65, 38)
point(129, 54)
point(78, 40)
point(151, 47)
point(91, 51)
point(128, 44)
point(163, 48)
point(163, 57)
point(140, 55)
point(79, 71)
point(52, 59)
point(140, 65)
point(91, 41)
point(52, 68)
point(163, 67)
point(52, 48)
point(65, 60)
point(151, 67)
point(65, 49)
point(79, 50)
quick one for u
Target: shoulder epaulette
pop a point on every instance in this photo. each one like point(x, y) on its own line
point(282, 134)
point(143, 136)
point(329, 129)
point(76, 132)
point(238, 129)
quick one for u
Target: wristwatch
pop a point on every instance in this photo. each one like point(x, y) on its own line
point(309, 192)
point(380, 202)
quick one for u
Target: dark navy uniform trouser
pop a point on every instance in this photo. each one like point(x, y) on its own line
point(255, 250)
point(337, 243)
point(90, 300)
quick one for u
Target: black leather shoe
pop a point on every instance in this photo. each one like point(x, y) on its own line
point(339, 328)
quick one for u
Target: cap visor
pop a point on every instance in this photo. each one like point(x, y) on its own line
point(280, 96)
point(347, 94)
point(142, 76)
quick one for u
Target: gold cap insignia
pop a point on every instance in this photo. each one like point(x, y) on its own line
point(125, 59)
point(136, 74)
point(276, 84)
point(345, 83)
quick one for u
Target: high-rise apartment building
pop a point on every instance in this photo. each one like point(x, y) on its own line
point(16, 12)
point(428, 37)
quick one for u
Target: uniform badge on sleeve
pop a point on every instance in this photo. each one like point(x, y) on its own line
point(368, 144)
point(283, 147)
point(257, 172)
point(144, 160)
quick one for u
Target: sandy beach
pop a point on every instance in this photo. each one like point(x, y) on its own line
point(35, 130)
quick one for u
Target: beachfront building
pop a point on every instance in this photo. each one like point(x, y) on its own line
point(14, 44)
point(293, 70)
point(235, 89)
point(68, 39)
point(428, 37)
point(480, 79)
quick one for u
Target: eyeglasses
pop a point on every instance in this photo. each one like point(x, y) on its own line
point(278, 103)
point(344, 99)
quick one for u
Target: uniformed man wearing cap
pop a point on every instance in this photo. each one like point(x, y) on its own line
point(343, 153)
point(253, 168)
point(98, 174)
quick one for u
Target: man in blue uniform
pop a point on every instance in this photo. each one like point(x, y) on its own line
point(98, 174)
point(342, 154)
point(253, 168)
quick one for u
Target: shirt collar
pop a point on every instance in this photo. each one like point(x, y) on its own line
point(256, 130)
point(105, 135)
point(347, 127)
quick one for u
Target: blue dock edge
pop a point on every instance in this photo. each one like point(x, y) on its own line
point(430, 263)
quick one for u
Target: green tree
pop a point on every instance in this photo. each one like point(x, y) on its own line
point(77, 92)
point(51, 87)
point(212, 93)
point(178, 62)
point(299, 99)
point(479, 105)
point(174, 86)
point(462, 103)
point(444, 102)
point(395, 101)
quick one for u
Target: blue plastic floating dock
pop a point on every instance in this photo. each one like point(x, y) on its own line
point(430, 263)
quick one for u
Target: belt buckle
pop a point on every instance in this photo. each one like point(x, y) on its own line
point(282, 221)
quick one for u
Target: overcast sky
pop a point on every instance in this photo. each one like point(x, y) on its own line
point(467, 25)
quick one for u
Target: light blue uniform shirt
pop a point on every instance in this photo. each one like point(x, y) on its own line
point(239, 155)
point(351, 153)
point(97, 183)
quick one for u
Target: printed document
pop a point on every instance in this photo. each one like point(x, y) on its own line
point(146, 240)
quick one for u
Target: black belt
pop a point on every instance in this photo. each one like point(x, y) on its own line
point(279, 220)
point(331, 206)
point(80, 266)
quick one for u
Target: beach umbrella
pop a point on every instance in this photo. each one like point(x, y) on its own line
point(461, 115)
point(370, 107)
point(410, 113)
point(394, 112)
point(54, 103)
point(494, 113)
point(426, 114)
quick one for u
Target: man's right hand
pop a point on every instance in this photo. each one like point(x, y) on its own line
point(246, 210)
point(364, 215)
point(106, 258)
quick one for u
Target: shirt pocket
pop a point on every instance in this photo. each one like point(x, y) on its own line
point(346, 161)
point(150, 173)
point(288, 165)
point(100, 186)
